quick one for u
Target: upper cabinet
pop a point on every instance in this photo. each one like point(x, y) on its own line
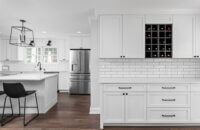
point(133, 36)
point(197, 36)
point(183, 36)
point(10, 52)
point(121, 36)
point(110, 36)
point(158, 19)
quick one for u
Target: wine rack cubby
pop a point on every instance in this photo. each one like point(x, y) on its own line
point(158, 40)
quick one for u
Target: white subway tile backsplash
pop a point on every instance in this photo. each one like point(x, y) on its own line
point(149, 68)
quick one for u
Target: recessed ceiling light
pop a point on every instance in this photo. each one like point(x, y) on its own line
point(44, 32)
point(78, 32)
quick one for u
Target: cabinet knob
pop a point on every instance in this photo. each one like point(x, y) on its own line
point(123, 93)
point(120, 56)
point(123, 56)
point(126, 93)
point(198, 56)
point(195, 56)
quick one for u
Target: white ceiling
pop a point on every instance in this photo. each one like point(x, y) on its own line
point(63, 17)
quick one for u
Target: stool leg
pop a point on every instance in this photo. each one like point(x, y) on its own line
point(19, 107)
point(11, 106)
point(24, 110)
point(37, 103)
point(3, 111)
point(26, 123)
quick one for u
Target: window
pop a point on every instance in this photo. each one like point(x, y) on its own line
point(41, 54)
point(33, 55)
point(50, 55)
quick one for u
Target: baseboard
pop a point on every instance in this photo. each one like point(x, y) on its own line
point(94, 110)
point(63, 91)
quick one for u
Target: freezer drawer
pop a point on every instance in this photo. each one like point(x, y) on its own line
point(79, 87)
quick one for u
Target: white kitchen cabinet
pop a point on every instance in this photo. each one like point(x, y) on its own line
point(11, 52)
point(150, 103)
point(197, 37)
point(133, 36)
point(63, 81)
point(120, 103)
point(158, 19)
point(114, 107)
point(135, 111)
point(110, 36)
point(195, 106)
point(183, 36)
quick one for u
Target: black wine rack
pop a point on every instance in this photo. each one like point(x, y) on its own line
point(158, 40)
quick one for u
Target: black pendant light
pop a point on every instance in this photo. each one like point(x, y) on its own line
point(21, 36)
point(49, 43)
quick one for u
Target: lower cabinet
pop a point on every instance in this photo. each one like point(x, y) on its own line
point(135, 111)
point(130, 104)
point(123, 107)
point(114, 107)
point(63, 81)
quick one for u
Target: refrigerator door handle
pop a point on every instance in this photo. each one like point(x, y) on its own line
point(72, 67)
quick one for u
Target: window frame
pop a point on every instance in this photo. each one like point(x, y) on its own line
point(42, 55)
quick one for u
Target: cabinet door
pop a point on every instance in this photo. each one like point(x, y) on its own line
point(183, 36)
point(195, 106)
point(114, 107)
point(135, 107)
point(197, 36)
point(3, 52)
point(110, 36)
point(133, 35)
point(63, 81)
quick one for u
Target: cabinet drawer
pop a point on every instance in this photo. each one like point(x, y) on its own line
point(168, 87)
point(168, 115)
point(124, 87)
point(168, 100)
point(195, 87)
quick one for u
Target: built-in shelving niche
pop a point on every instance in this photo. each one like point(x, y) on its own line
point(158, 40)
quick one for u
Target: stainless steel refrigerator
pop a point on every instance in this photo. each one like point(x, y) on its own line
point(79, 71)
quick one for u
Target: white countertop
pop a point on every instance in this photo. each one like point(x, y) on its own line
point(149, 80)
point(26, 77)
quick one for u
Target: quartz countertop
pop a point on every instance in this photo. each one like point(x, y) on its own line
point(26, 77)
point(149, 80)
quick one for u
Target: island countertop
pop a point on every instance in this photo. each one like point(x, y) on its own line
point(149, 80)
point(26, 77)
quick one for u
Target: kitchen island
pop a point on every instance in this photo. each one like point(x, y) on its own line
point(150, 101)
point(44, 84)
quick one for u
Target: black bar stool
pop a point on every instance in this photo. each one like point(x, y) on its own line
point(16, 90)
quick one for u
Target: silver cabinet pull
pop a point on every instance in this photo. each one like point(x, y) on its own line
point(169, 100)
point(124, 87)
point(168, 87)
point(163, 115)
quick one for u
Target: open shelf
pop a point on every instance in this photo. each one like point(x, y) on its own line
point(158, 40)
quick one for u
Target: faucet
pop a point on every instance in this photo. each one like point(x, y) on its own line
point(40, 65)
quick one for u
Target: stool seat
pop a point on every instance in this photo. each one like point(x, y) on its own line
point(2, 92)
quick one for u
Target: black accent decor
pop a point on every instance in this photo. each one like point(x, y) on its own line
point(16, 90)
point(158, 40)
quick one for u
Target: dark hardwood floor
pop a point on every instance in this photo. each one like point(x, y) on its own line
point(72, 113)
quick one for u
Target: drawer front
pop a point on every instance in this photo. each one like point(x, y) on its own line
point(168, 87)
point(168, 100)
point(124, 87)
point(168, 115)
point(195, 87)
